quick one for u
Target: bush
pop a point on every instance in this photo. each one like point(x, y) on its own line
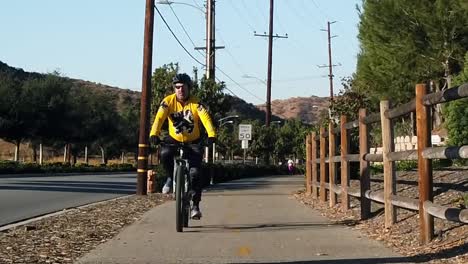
point(376, 168)
point(456, 122)
point(8, 166)
point(11, 167)
point(228, 172)
point(441, 163)
point(16, 167)
point(406, 165)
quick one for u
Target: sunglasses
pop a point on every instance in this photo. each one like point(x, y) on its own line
point(178, 86)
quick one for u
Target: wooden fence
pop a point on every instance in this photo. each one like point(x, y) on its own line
point(317, 145)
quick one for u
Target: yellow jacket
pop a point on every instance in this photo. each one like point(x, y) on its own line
point(184, 120)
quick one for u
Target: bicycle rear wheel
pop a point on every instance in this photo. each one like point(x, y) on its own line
point(180, 198)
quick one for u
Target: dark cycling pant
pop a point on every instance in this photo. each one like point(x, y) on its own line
point(194, 154)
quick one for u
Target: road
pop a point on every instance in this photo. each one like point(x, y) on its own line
point(23, 197)
point(245, 221)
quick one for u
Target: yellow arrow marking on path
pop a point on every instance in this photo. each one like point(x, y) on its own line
point(244, 251)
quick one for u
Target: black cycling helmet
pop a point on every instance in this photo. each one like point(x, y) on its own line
point(182, 78)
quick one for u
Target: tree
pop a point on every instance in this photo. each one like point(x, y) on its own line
point(102, 122)
point(349, 101)
point(162, 84)
point(285, 144)
point(92, 118)
point(128, 127)
point(228, 143)
point(47, 97)
point(211, 95)
point(403, 43)
point(457, 113)
point(262, 143)
point(16, 112)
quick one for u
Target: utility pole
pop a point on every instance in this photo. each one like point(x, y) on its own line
point(210, 40)
point(143, 146)
point(270, 62)
point(210, 51)
point(330, 65)
point(213, 48)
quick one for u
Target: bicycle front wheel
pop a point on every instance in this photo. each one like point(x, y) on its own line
point(179, 198)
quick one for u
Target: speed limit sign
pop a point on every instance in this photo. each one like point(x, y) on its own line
point(245, 132)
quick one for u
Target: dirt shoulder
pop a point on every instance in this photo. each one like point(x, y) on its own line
point(451, 241)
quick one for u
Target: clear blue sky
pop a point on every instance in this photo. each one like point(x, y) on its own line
point(102, 41)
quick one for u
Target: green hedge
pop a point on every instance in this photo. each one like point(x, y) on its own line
point(219, 172)
point(228, 172)
point(11, 167)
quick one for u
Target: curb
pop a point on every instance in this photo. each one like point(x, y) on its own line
point(65, 210)
point(18, 175)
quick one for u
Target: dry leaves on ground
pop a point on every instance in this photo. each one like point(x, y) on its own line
point(66, 237)
point(450, 244)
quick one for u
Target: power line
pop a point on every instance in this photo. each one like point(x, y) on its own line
point(227, 88)
point(196, 3)
point(278, 21)
point(328, 17)
point(239, 67)
point(167, 25)
point(240, 16)
point(229, 77)
point(178, 41)
point(186, 33)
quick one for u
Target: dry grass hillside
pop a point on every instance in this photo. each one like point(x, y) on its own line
point(306, 109)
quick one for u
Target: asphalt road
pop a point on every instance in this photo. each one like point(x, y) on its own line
point(245, 221)
point(23, 197)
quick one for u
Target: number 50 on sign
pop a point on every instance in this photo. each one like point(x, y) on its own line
point(245, 132)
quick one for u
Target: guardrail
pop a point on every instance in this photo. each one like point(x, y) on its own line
point(316, 169)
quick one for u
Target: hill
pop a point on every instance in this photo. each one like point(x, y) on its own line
point(306, 109)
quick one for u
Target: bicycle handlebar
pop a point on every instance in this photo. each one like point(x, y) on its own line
point(183, 144)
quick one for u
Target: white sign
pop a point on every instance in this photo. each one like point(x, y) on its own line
point(245, 132)
point(245, 144)
point(436, 140)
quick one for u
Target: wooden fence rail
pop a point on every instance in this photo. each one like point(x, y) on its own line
point(321, 149)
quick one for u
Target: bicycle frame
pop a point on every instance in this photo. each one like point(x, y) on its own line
point(182, 162)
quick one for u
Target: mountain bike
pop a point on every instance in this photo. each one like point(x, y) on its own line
point(182, 185)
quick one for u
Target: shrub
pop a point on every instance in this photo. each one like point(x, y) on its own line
point(406, 165)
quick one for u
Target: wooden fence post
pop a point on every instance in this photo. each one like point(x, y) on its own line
point(389, 166)
point(323, 171)
point(423, 128)
point(314, 165)
point(308, 165)
point(364, 165)
point(344, 164)
point(331, 164)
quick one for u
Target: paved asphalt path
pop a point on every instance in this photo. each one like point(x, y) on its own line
point(23, 197)
point(245, 221)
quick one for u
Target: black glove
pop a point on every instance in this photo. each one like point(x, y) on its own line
point(155, 140)
point(211, 140)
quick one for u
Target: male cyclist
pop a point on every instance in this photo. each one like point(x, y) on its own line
point(185, 113)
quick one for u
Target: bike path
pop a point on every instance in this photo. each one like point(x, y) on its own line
point(253, 220)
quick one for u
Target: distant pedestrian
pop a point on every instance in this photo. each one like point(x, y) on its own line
point(290, 167)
